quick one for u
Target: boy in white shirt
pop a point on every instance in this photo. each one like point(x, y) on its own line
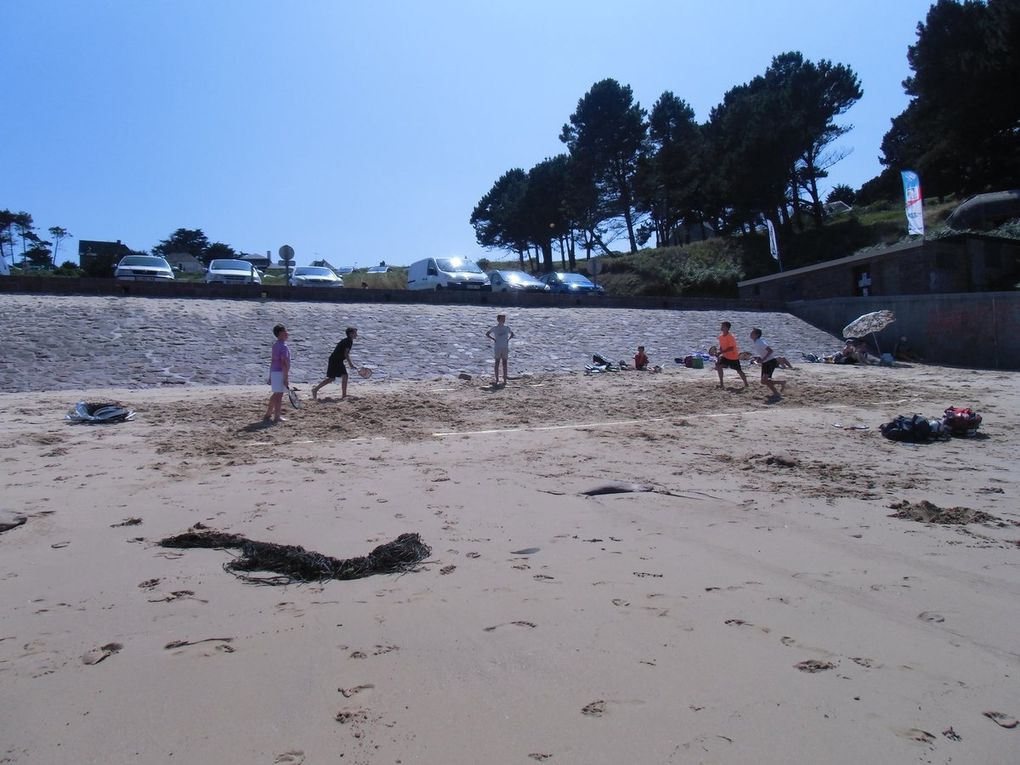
point(501, 335)
point(768, 360)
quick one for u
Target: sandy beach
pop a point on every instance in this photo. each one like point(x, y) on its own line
point(786, 592)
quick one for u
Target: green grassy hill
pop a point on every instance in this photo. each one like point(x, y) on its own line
point(713, 268)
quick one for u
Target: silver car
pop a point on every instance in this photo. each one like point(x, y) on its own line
point(143, 268)
point(315, 276)
point(516, 281)
point(232, 272)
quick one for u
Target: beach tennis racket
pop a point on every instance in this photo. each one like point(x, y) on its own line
point(295, 400)
point(364, 372)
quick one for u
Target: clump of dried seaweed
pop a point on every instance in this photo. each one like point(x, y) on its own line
point(296, 564)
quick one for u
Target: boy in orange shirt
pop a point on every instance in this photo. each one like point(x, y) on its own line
point(729, 355)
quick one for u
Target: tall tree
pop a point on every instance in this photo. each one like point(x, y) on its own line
point(498, 217)
point(192, 241)
point(218, 250)
point(961, 130)
point(7, 219)
point(815, 94)
point(25, 227)
point(59, 234)
point(544, 206)
point(668, 180)
point(752, 153)
point(606, 133)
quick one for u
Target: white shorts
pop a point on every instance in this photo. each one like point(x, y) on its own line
point(276, 380)
point(501, 354)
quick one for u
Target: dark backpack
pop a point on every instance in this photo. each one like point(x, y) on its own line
point(912, 428)
point(961, 421)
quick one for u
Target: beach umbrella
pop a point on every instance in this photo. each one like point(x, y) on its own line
point(869, 324)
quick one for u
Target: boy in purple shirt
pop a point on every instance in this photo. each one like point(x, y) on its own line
point(279, 375)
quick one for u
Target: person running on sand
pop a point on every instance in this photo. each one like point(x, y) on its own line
point(501, 335)
point(729, 355)
point(769, 361)
point(337, 365)
point(279, 375)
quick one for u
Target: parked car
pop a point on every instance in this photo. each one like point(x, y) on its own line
point(232, 272)
point(315, 276)
point(446, 274)
point(571, 284)
point(341, 270)
point(143, 268)
point(516, 281)
point(377, 270)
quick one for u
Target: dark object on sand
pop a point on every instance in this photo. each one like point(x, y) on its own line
point(10, 520)
point(99, 413)
point(296, 564)
point(617, 488)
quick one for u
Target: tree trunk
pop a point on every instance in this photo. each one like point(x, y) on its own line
point(547, 255)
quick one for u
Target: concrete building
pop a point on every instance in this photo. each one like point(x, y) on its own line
point(955, 264)
point(90, 251)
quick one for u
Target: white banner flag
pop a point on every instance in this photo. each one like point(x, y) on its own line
point(4, 269)
point(773, 247)
point(915, 206)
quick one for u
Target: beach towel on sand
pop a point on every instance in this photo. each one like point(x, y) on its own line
point(98, 413)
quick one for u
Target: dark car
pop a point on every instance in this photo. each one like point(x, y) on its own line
point(571, 284)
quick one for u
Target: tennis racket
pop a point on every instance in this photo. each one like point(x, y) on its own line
point(365, 372)
point(295, 400)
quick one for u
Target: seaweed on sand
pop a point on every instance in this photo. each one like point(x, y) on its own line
point(296, 564)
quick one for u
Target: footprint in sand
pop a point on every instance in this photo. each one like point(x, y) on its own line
point(539, 756)
point(864, 662)
point(448, 569)
point(102, 653)
point(620, 602)
point(295, 757)
point(530, 625)
point(916, 734)
point(594, 709)
point(814, 665)
point(931, 616)
point(221, 645)
point(1001, 719)
point(348, 692)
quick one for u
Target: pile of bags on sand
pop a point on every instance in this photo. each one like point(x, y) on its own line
point(960, 422)
point(98, 414)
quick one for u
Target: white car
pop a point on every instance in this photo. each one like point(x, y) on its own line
point(232, 272)
point(315, 276)
point(139, 268)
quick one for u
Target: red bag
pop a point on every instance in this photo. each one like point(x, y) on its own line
point(961, 421)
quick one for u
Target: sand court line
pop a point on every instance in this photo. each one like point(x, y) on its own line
point(582, 426)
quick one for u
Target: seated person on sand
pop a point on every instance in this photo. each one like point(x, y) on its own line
point(641, 359)
point(904, 352)
point(854, 352)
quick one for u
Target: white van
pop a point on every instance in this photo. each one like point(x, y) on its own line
point(447, 274)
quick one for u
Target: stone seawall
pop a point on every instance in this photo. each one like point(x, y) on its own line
point(59, 342)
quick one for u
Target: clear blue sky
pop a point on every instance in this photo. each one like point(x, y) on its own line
point(361, 132)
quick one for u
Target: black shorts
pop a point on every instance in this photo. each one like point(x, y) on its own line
point(335, 368)
point(726, 363)
point(768, 368)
